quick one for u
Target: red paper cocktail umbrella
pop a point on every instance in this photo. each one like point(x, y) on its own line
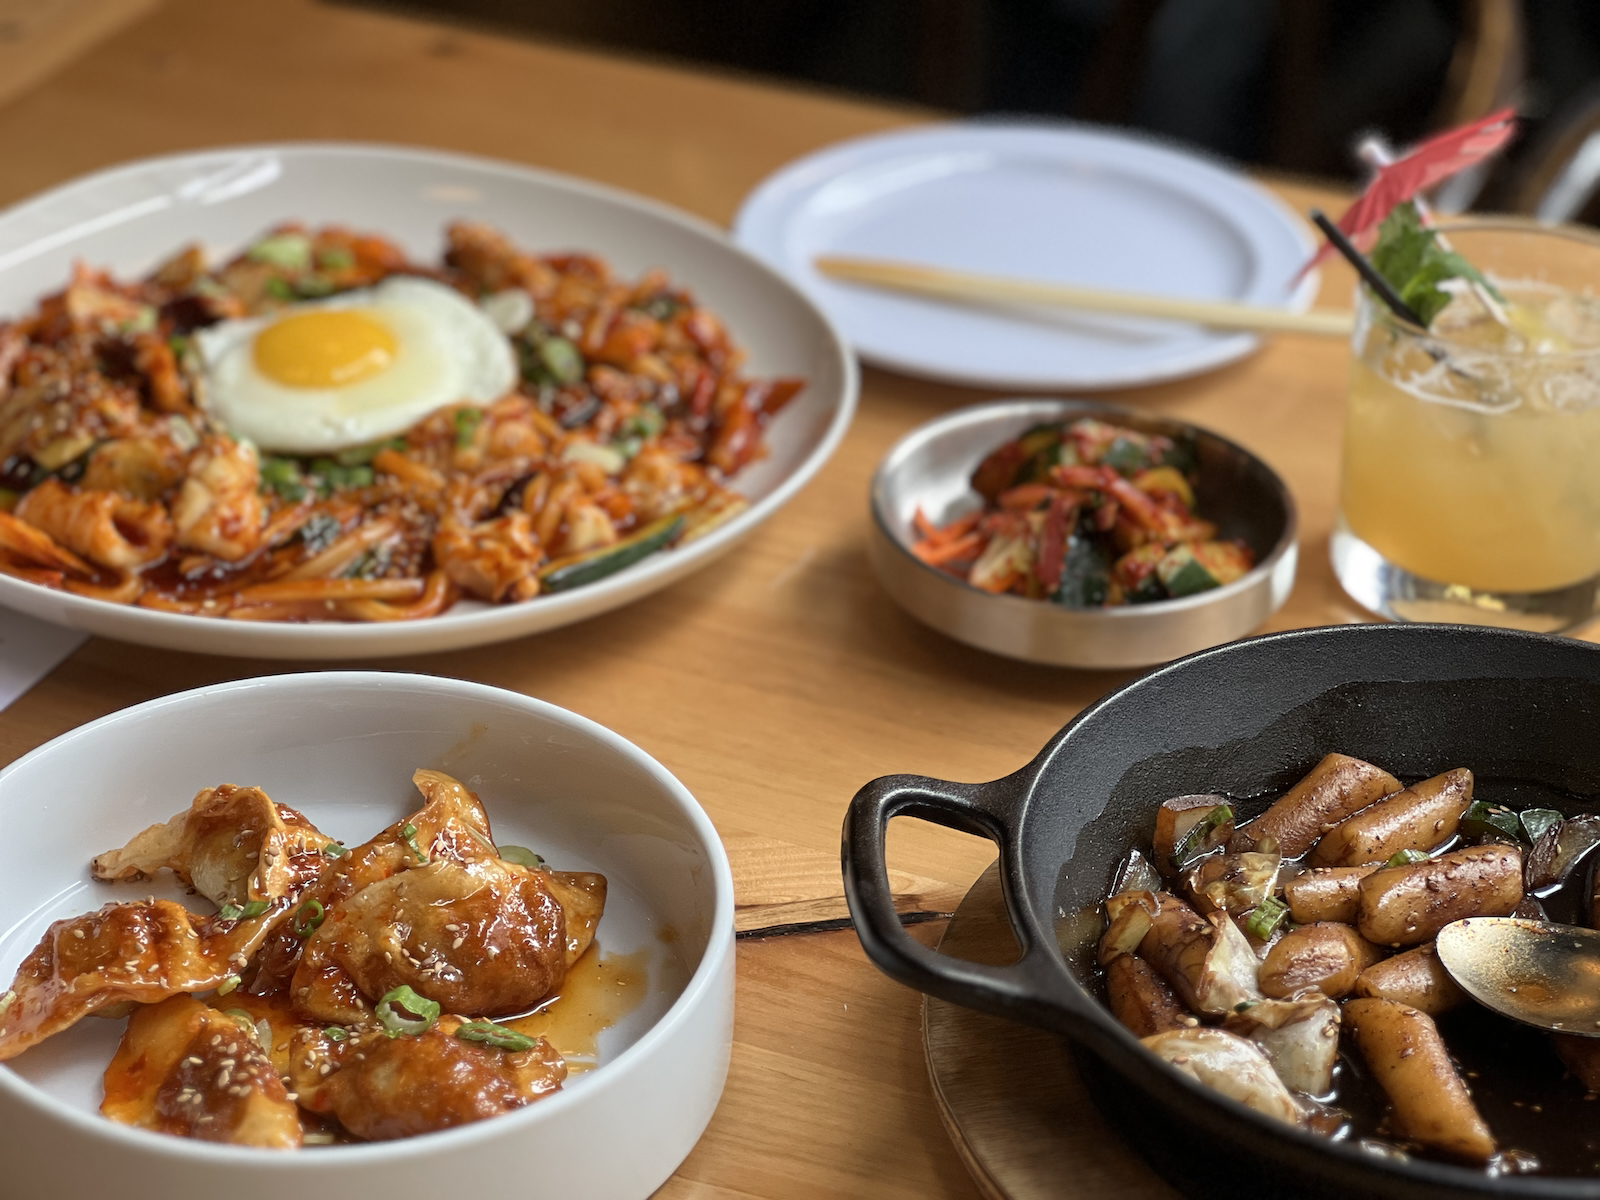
point(1429, 163)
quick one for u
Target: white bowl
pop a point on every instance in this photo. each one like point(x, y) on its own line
point(131, 217)
point(341, 747)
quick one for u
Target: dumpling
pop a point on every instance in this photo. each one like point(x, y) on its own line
point(186, 1069)
point(485, 938)
point(381, 1087)
point(145, 951)
point(457, 923)
point(233, 845)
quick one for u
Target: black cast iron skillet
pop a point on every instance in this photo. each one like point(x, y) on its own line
point(1246, 719)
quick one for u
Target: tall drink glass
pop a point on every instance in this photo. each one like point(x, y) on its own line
point(1470, 488)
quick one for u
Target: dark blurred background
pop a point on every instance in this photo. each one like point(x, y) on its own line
point(1286, 84)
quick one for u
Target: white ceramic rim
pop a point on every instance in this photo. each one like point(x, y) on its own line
point(719, 945)
point(764, 216)
point(452, 630)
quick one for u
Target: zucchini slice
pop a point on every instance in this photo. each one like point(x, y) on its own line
point(1200, 566)
point(580, 569)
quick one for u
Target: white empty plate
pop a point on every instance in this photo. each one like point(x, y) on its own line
point(1058, 203)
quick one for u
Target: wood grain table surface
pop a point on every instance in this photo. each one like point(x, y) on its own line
point(775, 682)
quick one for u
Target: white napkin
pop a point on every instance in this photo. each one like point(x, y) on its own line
point(29, 650)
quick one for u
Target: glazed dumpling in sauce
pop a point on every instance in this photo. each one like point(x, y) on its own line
point(143, 952)
point(233, 845)
point(186, 1069)
point(381, 1087)
point(456, 923)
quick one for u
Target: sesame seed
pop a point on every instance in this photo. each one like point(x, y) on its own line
point(325, 1069)
point(192, 1061)
point(456, 945)
point(494, 952)
point(223, 1076)
point(78, 933)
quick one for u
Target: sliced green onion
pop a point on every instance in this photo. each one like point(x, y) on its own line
point(1199, 832)
point(335, 1033)
point(1264, 921)
point(308, 917)
point(291, 251)
point(282, 475)
point(246, 1021)
point(279, 289)
point(408, 833)
point(392, 1012)
point(228, 985)
point(336, 476)
point(497, 1036)
point(645, 423)
point(335, 850)
point(1404, 858)
point(466, 422)
point(251, 910)
point(1536, 821)
point(562, 359)
point(335, 258)
point(521, 855)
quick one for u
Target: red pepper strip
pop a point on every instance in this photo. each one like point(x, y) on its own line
point(1140, 506)
point(1053, 541)
point(705, 390)
point(1091, 478)
point(1026, 496)
point(965, 547)
point(928, 530)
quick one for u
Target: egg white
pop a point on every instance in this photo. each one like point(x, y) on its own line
point(447, 352)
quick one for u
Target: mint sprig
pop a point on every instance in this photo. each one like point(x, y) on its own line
point(1408, 255)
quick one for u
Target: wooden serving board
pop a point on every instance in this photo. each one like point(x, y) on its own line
point(1010, 1095)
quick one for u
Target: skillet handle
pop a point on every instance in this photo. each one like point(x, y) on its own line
point(1032, 989)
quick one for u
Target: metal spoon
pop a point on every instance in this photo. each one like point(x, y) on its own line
point(1535, 972)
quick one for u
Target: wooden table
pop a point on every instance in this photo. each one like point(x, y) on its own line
point(774, 683)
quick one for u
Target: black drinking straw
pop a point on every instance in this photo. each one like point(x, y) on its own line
point(1366, 270)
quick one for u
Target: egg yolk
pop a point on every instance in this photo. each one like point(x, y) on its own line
point(329, 347)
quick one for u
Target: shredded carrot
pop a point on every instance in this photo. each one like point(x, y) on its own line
point(936, 555)
point(928, 530)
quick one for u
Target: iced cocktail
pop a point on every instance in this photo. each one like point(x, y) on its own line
point(1471, 472)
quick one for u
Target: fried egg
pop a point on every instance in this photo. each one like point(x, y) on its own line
point(364, 365)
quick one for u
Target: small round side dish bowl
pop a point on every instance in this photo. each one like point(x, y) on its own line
point(930, 467)
point(342, 747)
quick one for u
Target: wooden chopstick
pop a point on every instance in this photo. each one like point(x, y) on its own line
point(961, 285)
